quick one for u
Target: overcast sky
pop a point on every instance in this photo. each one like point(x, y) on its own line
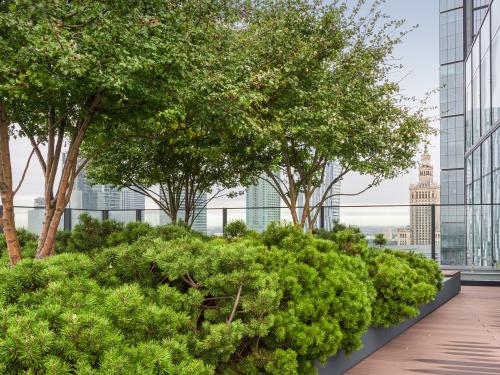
point(419, 55)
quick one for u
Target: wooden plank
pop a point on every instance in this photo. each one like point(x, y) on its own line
point(461, 337)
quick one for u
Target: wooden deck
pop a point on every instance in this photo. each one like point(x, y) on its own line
point(460, 338)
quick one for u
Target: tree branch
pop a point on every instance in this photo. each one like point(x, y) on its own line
point(235, 306)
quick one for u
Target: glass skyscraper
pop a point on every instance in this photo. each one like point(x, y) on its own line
point(459, 22)
point(482, 136)
point(257, 197)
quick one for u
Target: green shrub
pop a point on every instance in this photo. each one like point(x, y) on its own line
point(91, 234)
point(235, 229)
point(63, 238)
point(131, 232)
point(270, 304)
point(171, 232)
point(401, 287)
point(276, 233)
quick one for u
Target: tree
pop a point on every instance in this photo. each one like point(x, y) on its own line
point(325, 74)
point(190, 147)
point(380, 240)
point(73, 67)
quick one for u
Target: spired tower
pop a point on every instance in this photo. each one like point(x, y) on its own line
point(422, 195)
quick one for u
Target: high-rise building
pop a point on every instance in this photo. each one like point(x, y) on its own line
point(260, 196)
point(482, 138)
point(423, 195)
point(459, 22)
point(331, 205)
point(94, 198)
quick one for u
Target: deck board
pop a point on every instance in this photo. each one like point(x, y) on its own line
point(461, 337)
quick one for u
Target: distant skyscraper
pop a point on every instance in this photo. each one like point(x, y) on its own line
point(105, 197)
point(331, 205)
point(422, 195)
point(459, 22)
point(258, 196)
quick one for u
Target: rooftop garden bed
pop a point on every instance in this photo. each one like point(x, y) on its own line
point(143, 300)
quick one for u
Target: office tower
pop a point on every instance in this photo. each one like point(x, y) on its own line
point(104, 197)
point(257, 197)
point(459, 21)
point(200, 212)
point(331, 205)
point(422, 195)
point(482, 139)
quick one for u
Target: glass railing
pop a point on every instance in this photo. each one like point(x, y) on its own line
point(454, 235)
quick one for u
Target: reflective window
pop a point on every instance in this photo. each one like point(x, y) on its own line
point(452, 142)
point(451, 93)
point(478, 18)
point(468, 114)
point(481, 3)
point(468, 179)
point(450, 4)
point(476, 107)
point(496, 149)
point(486, 157)
point(495, 17)
point(468, 102)
point(485, 35)
point(486, 189)
point(496, 186)
point(476, 164)
point(496, 231)
point(486, 236)
point(451, 41)
point(495, 79)
point(485, 94)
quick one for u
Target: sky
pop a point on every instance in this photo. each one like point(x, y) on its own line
point(419, 55)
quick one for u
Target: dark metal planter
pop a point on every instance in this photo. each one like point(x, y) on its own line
point(376, 337)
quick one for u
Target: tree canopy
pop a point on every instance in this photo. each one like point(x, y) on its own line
point(324, 72)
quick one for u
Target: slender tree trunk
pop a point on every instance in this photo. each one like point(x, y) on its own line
point(9, 228)
point(70, 170)
point(53, 217)
point(48, 247)
point(47, 219)
point(7, 194)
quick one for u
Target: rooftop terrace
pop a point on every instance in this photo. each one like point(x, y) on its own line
point(460, 338)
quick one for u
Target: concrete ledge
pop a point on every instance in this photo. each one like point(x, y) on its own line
point(377, 337)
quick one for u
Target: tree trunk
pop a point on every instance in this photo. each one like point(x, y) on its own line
point(47, 219)
point(7, 193)
point(9, 227)
point(47, 249)
point(70, 170)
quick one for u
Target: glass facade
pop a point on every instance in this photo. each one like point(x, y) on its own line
point(452, 107)
point(466, 114)
point(482, 153)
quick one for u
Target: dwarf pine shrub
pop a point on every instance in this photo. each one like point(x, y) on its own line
point(170, 301)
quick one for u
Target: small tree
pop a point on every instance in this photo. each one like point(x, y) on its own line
point(325, 73)
point(380, 240)
point(202, 142)
point(71, 68)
